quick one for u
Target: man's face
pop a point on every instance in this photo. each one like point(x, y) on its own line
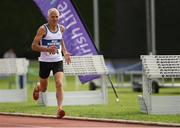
point(53, 18)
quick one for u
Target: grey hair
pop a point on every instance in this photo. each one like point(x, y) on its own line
point(53, 10)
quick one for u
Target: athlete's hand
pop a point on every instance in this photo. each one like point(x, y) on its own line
point(67, 58)
point(52, 49)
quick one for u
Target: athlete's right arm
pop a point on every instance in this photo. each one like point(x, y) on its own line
point(37, 47)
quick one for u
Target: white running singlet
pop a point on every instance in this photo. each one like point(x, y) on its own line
point(51, 38)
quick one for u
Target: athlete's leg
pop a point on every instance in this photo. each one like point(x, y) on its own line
point(58, 76)
point(43, 83)
point(59, 88)
point(59, 93)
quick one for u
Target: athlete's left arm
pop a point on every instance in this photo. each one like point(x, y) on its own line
point(65, 52)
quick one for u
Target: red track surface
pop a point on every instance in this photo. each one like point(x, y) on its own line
point(34, 122)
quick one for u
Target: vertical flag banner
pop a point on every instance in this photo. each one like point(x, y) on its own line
point(77, 39)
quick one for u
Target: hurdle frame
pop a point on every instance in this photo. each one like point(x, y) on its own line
point(149, 103)
point(18, 67)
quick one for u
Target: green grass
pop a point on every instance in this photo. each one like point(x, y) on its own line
point(128, 107)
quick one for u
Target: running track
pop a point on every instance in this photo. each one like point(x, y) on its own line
point(39, 122)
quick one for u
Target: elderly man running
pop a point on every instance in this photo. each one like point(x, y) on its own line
point(49, 42)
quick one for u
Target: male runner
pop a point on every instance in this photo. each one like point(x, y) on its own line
point(49, 42)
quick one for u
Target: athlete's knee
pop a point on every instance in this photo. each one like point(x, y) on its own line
point(59, 84)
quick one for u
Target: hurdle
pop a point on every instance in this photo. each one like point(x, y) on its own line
point(80, 66)
point(155, 67)
point(18, 67)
